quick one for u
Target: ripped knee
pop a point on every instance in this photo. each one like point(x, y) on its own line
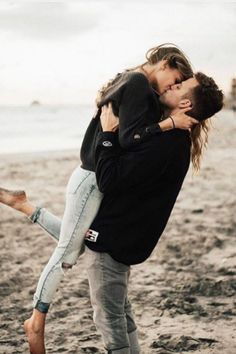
point(66, 265)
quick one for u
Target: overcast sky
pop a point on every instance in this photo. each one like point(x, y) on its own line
point(60, 52)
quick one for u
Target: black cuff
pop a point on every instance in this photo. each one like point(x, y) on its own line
point(143, 133)
point(153, 129)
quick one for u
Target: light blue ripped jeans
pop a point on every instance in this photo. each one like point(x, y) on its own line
point(83, 199)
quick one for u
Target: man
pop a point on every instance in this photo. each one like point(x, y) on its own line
point(140, 188)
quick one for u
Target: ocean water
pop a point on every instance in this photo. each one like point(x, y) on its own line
point(54, 128)
point(43, 128)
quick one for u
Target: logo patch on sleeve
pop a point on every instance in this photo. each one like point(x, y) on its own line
point(107, 143)
point(91, 235)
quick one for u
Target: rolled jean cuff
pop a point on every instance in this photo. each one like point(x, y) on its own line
point(42, 306)
point(125, 350)
point(34, 217)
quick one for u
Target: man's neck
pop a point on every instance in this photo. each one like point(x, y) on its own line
point(169, 112)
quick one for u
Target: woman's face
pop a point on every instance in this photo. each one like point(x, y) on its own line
point(172, 97)
point(164, 77)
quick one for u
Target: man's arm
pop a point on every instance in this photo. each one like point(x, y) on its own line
point(118, 170)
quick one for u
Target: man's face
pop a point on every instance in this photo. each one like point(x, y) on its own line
point(173, 96)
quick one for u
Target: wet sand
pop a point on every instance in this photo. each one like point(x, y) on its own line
point(183, 296)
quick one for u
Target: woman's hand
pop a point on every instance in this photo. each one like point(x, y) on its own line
point(108, 120)
point(182, 120)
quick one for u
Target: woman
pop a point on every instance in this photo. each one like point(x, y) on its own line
point(139, 114)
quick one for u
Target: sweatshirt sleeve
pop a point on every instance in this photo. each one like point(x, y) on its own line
point(133, 110)
point(130, 101)
point(118, 171)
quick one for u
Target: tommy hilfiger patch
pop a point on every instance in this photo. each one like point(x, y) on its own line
point(91, 235)
point(107, 143)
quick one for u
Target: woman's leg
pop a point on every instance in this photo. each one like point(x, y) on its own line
point(19, 201)
point(82, 203)
point(47, 221)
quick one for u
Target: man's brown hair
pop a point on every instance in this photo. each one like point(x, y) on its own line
point(206, 98)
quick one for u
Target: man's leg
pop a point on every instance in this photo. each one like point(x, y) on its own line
point(108, 282)
point(131, 329)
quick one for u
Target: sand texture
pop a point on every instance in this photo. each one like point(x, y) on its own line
point(183, 296)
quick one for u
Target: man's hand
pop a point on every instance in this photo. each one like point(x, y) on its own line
point(182, 120)
point(108, 120)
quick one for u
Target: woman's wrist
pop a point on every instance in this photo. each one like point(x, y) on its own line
point(172, 120)
point(109, 129)
point(167, 124)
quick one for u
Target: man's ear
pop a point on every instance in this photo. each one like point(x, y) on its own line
point(185, 103)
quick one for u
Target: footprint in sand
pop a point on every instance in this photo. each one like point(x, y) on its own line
point(177, 344)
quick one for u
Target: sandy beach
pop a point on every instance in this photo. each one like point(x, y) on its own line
point(183, 296)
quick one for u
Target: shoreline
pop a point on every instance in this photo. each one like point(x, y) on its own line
point(40, 154)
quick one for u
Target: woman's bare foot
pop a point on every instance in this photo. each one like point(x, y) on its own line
point(13, 199)
point(35, 336)
point(16, 200)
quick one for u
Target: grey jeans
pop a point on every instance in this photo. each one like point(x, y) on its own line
point(113, 317)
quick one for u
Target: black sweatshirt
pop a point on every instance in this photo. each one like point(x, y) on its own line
point(140, 188)
point(141, 181)
point(138, 107)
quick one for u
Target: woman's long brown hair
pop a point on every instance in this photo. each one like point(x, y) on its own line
point(174, 56)
point(199, 136)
